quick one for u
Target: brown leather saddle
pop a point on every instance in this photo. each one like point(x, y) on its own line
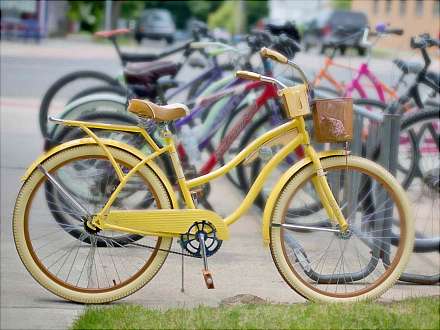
point(156, 112)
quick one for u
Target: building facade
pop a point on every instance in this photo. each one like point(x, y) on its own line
point(298, 11)
point(33, 18)
point(413, 16)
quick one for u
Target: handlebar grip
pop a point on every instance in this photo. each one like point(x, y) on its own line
point(398, 32)
point(248, 75)
point(420, 41)
point(415, 43)
point(266, 52)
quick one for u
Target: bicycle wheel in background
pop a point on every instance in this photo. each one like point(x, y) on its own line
point(359, 265)
point(419, 139)
point(73, 268)
point(105, 89)
point(91, 106)
point(64, 86)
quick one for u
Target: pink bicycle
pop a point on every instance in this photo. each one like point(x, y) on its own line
point(383, 91)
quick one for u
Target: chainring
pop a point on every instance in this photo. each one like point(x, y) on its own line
point(191, 244)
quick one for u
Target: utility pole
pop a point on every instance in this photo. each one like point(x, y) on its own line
point(108, 15)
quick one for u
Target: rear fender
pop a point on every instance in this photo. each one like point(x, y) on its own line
point(123, 146)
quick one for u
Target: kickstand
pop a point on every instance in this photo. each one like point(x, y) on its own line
point(182, 289)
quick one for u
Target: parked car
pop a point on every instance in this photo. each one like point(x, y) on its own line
point(155, 24)
point(331, 26)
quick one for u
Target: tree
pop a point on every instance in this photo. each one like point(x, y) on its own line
point(226, 15)
point(89, 14)
point(223, 17)
point(201, 9)
point(342, 4)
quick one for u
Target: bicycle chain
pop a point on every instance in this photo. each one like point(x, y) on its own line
point(151, 247)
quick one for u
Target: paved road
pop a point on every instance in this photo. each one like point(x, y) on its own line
point(242, 266)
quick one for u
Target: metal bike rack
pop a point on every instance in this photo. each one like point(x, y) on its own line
point(388, 130)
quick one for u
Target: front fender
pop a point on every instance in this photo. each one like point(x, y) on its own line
point(273, 197)
point(123, 146)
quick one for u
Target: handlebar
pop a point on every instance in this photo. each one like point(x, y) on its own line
point(380, 30)
point(383, 29)
point(258, 77)
point(216, 47)
point(248, 75)
point(273, 55)
point(424, 41)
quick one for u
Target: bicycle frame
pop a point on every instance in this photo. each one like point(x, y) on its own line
point(208, 76)
point(151, 222)
point(268, 93)
point(239, 92)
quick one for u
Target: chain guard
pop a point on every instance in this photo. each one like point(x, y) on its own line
point(190, 243)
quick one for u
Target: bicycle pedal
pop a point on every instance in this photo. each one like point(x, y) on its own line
point(207, 276)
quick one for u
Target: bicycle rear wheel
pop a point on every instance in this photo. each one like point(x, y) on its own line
point(80, 269)
point(334, 267)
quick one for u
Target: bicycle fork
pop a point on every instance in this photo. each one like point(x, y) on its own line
point(324, 192)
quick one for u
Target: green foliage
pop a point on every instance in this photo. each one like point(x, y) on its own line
point(256, 9)
point(180, 10)
point(227, 14)
point(341, 4)
point(224, 17)
point(131, 9)
point(416, 313)
point(219, 13)
point(201, 9)
point(89, 14)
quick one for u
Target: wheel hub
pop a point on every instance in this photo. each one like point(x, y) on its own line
point(345, 234)
point(88, 226)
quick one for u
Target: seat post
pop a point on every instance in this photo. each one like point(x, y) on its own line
point(177, 166)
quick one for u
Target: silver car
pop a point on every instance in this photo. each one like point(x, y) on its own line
point(155, 24)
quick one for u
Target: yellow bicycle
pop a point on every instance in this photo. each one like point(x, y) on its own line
point(108, 190)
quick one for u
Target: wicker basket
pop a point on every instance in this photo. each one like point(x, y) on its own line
point(333, 120)
point(295, 100)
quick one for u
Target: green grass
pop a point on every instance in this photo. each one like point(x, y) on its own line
point(415, 313)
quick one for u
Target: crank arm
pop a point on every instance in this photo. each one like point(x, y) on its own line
point(207, 276)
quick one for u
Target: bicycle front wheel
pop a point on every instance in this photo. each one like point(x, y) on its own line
point(360, 264)
point(87, 267)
